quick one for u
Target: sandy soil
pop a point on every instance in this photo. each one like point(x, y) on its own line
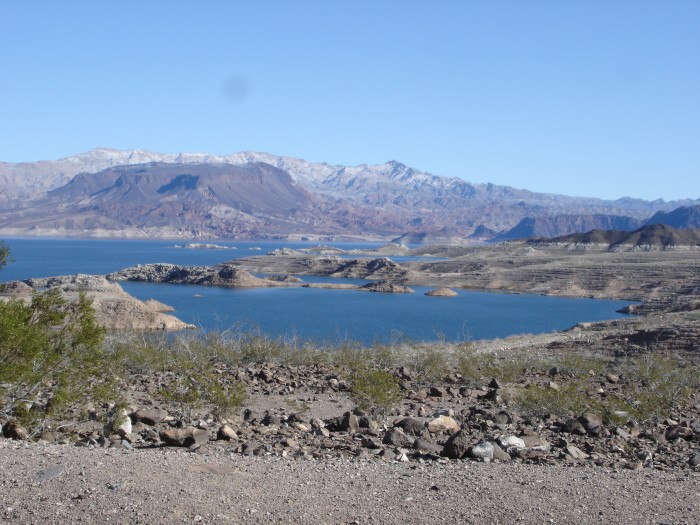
point(61, 484)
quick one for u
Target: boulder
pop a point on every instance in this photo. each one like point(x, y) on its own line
point(482, 450)
point(149, 416)
point(500, 454)
point(511, 441)
point(694, 461)
point(576, 452)
point(410, 425)
point(350, 423)
point(428, 446)
point(184, 437)
point(457, 446)
point(572, 426)
point(13, 430)
point(593, 423)
point(227, 433)
point(396, 437)
point(443, 424)
point(679, 432)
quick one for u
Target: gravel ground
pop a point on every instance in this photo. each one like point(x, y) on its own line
point(63, 484)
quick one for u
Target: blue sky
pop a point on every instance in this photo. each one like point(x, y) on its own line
point(592, 98)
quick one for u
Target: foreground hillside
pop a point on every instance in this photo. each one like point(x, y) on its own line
point(599, 423)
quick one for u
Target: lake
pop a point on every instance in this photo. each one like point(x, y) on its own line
point(306, 313)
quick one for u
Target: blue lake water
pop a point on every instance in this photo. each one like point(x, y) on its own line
point(307, 313)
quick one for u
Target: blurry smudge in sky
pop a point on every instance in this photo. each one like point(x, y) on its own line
point(236, 88)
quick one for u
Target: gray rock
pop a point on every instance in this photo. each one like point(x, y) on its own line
point(184, 437)
point(410, 425)
point(572, 426)
point(593, 423)
point(529, 454)
point(511, 441)
point(694, 461)
point(502, 418)
point(435, 391)
point(457, 446)
point(576, 452)
point(371, 442)
point(350, 423)
point(482, 450)
point(500, 454)
point(679, 432)
point(396, 437)
point(150, 416)
point(428, 446)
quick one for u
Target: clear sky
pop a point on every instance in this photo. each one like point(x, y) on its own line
point(592, 98)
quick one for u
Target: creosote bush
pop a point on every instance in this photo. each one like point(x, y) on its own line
point(478, 368)
point(375, 391)
point(52, 358)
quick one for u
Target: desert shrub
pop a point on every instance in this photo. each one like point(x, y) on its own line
point(52, 358)
point(352, 357)
point(431, 363)
point(656, 384)
point(193, 382)
point(577, 364)
point(478, 367)
point(570, 399)
point(385, 356)
point(140, 353)
point(225, 400)
point(375, 391)
point(256, 347)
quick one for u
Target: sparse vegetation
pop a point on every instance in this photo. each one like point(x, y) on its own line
point(52, 358)
point(375, 391)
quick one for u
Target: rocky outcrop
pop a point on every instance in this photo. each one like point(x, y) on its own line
point(385, 287)
point(441, 292)
point(225, 275)
point(380, 268)
point(115, 308)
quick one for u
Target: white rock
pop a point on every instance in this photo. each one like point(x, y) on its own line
point(511, 441)
point(125, 428)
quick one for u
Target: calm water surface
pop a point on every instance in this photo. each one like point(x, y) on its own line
point(325, 315)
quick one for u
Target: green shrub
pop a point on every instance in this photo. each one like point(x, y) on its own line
point(52, 357)
point(375, 391)
point(570, 399)
point(576, 364)
point(478, 367)
point(430, 364)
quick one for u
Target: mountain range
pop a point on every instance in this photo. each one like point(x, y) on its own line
point(107, 192)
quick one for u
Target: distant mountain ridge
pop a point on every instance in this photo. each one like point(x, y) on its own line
point(78, 195)
point(651, 237)
point(683, 217)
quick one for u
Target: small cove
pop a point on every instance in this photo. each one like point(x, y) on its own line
point(306, 313)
